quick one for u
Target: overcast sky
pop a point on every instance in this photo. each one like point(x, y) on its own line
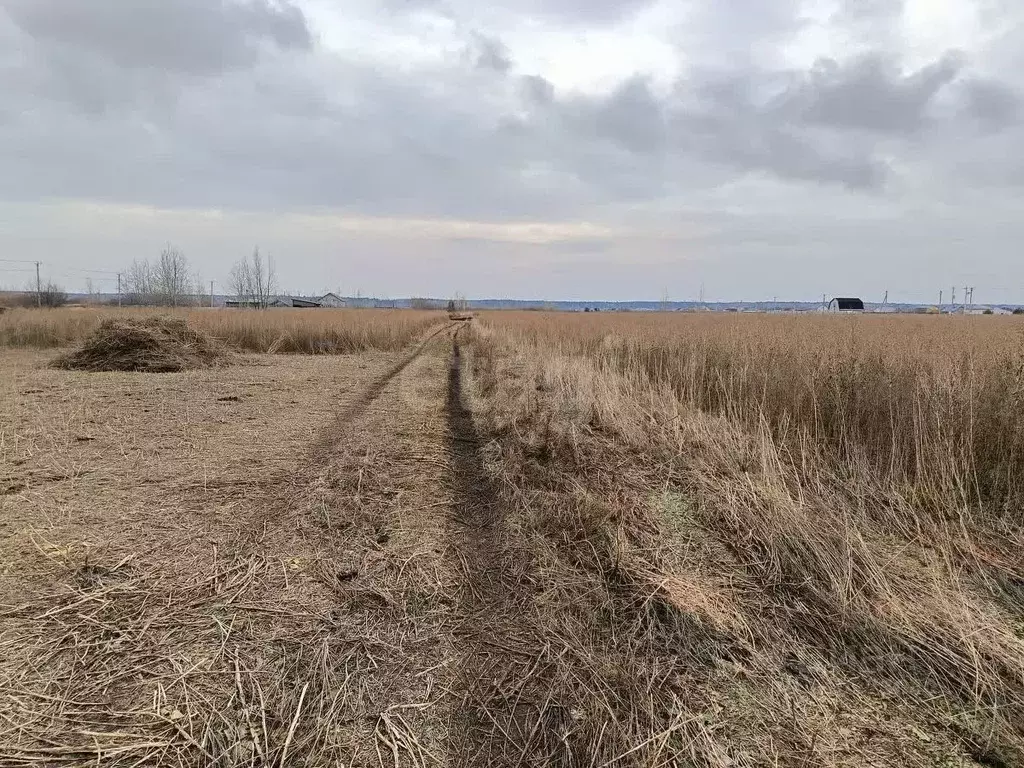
point(605, 149)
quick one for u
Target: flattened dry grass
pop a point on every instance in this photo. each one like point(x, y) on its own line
point(276, 331)
point(226, 582)
point(226, 684)
point(164, 599)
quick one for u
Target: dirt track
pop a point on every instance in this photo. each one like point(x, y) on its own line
point(490, 625)
point(490, 653)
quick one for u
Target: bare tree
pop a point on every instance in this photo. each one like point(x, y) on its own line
point(254, 280)
point(138, 283)
point(173, 282)
point(266, 278)
point(239, 282)
point(165, 281)
point(49, 295)
point(54, 295)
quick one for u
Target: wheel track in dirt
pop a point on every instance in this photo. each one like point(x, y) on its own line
point(503, 718)
point(278, 492)
point(351, 411)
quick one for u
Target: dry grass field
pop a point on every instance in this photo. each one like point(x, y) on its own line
point(283, 331)
point(527, 539)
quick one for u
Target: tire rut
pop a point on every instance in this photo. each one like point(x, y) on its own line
point(350, 412)
point(501, 718)
point(316, 459)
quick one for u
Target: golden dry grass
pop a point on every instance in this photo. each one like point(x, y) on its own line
point(278, 331)
point(935, 404)
point(802, 534)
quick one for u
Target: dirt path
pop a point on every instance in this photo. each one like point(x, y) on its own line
point(378, 517)
point(353, 409)
point(502, 716)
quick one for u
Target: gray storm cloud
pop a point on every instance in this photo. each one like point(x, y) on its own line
point(242, 105)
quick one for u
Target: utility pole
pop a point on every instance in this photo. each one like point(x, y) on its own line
point(211, 294)
point(119, 289)
point(824, 306)
point(39, 288)
point(940, 299)
point(952, 300)
point(966, 289)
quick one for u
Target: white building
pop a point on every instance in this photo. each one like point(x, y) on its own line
point(331, 300)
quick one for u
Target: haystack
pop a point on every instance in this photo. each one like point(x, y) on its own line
point(155, 344)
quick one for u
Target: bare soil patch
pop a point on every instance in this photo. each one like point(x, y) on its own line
point(501, 710)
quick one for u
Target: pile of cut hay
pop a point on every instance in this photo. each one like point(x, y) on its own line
point(157, 344)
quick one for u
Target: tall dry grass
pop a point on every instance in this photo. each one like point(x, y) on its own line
point(280, 331)
point(934, 404)
point(802, 535)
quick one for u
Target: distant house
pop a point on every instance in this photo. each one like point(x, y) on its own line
point(275, 303)
point(332, 300)
point(296, 302)
point(846, 305)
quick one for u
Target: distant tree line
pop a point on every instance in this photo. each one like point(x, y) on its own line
point(420, 303)
point(49, 295)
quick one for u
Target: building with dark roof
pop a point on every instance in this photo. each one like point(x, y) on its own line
point(846, 305)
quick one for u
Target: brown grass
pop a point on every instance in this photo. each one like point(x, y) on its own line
point(800, 535)
point(934, 404)
point(635, 540)
point(278, 331)
point(221, 566)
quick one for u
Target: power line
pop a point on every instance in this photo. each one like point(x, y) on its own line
point(63, 269)
point(92, 271)
point(65, 275)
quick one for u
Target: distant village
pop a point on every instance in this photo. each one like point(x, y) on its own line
point(332, 300)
